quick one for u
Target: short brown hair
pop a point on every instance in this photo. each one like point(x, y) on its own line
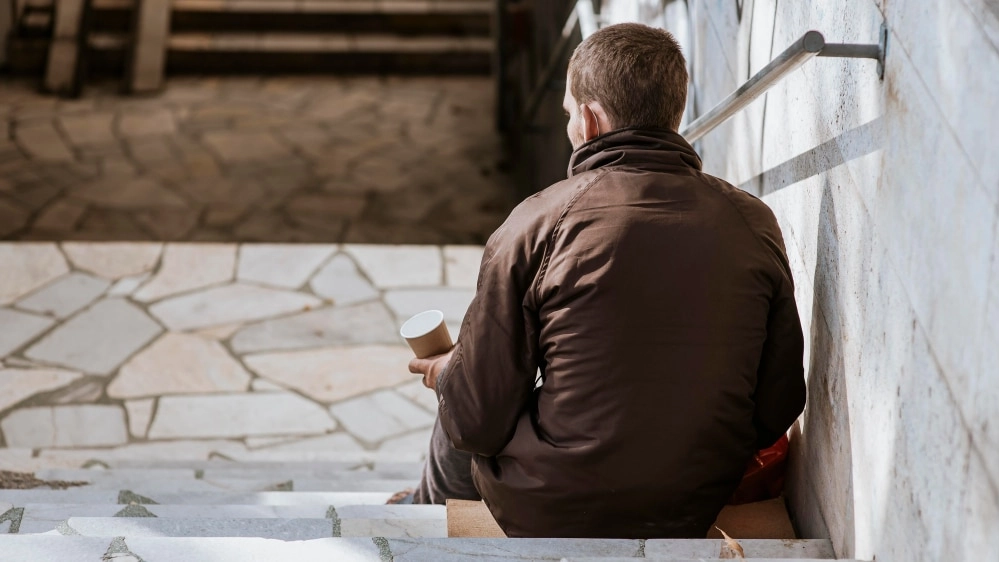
point(636, 72)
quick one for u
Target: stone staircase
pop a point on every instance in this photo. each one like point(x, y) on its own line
point(263, 510)
point(188, 402)
point(283, 36)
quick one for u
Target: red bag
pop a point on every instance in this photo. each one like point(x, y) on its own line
point(764, 476)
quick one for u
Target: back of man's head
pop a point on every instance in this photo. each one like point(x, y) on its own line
point(636, 72)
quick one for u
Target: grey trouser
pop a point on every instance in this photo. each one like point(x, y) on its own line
point(447, 474)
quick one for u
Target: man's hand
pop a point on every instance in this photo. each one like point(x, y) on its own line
point(430, 368)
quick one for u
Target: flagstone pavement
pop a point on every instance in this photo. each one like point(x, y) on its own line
point(237, 159)
point(147, 351)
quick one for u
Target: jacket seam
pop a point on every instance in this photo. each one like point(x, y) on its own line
point(555, 230)
point(745, 222)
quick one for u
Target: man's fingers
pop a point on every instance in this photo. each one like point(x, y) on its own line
point(419, 366)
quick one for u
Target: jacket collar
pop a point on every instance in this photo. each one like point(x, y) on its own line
point(647, 149)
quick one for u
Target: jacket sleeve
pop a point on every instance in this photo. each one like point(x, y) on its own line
point(490, 379)
point(780, 384)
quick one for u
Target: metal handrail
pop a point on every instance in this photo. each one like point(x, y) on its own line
point(809, 45)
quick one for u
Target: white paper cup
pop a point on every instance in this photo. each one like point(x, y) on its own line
point(427, 334)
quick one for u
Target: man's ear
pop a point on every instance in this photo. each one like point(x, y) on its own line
point(591, 123)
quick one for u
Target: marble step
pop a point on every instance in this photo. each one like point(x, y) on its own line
point(264, 465)
point(353, 520)
point(159, 549)
point(195, 455)
point(339, 6)
point(315, 51)
point(249, 484)
point(41, 517)
point(392, 521)
point(409, 471)
point(413, 16)
point(367, 524)
point(305, 42)
point(282, 529)
point(19, 498)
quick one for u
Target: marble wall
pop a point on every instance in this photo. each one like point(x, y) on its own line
point(888, 195)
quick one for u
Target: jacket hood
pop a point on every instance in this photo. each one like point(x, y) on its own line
point(640, 148)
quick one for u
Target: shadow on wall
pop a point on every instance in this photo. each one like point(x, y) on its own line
point(821, 472)
point(849, 145)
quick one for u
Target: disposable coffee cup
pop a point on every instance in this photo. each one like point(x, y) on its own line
point(427, 335)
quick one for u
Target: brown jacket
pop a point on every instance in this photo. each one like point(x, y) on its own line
point(658, 304)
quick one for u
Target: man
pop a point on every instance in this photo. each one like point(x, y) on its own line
point(656, 302)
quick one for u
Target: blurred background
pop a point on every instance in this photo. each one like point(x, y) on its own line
point(276, 120)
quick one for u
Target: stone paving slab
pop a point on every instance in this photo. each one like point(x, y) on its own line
point(357, 370)
point(234, 361)
point(378, 416)
point(65, 426)
point(18, 328)
point(19, 384)
point(330, 159)
point(338, 326)
point(226, 305)
point(235, 415)
point(30, 266)
point(179, 364)
point(99, 339)
point(65, 296)
point(342, 282)
point(281, 266)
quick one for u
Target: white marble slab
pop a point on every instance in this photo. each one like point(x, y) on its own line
point(281, 265)
point(238, 415)
point(98, 339)
point(452, 302)
point(63, 297)
point(65, 426)
point(380, 415)
point(366, 323)
point(18, 384)
point(341, 282)
point(179, 364)
point(28, 266)
point(186, 267)
point(113, 260)
point(18, 328)
point(461, 265)
point(334, 374)
point(225, 305)
point(399, 266)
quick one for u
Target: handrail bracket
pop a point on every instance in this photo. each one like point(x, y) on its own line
point(809, 45)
